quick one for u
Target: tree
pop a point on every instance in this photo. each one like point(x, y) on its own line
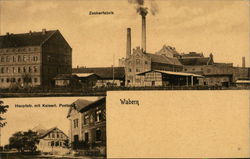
point(3, 109)
point(24, 141)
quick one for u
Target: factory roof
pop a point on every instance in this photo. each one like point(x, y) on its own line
point(163, 59)
point(25, 39)
point(197, 61)
point(172, 73)
point(65, 77)
point(103, 72)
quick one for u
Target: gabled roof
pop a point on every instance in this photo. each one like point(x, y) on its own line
point(197, 61)
point(163, 59)
point(103, 72)
point(45, 133)
point(25, 39)
point(82, 104)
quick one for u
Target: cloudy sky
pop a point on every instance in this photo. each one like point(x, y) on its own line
point(220, 27)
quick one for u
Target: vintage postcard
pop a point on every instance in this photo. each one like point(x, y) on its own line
point(124, 79)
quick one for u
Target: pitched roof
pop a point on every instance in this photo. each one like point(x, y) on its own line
point(163, 59)
point(103, 72)
point(82, 104)
point(25, 39)
point(172, 73)
point(49, 130)
point(196, 61)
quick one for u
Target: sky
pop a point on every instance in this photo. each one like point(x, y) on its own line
point(27, 118)
point(220, 27)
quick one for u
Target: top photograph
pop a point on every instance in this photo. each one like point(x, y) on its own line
point(86, 48)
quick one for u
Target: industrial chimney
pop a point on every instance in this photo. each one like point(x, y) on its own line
point(128, 51)
point(243, 62)
point(143, 13)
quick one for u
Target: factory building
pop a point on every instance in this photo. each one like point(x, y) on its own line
point(168, 67)
point(33, 58)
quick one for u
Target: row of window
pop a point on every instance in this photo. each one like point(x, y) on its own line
point(18, 50)
point(138, 62)
point(24, 69)
point(56, 143)
point(18, 80)
point(55, 135)
point(136, 70)
point(19, 58)
point(90, 118)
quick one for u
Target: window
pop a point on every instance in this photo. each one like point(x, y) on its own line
point(2, 59)
point(86, 137)
point(7, 80)
point(86, 119)
point(98, 135)
point(193, 69)
point(2, 70)
point(57, 135)
point(138, 61)
point(30, 70)
point(98, 115)
point(129, 70)
point(75, 123)
point(35, 69)
point(137, 70)
point(19, 70)
point(24, 69)
point(19, 80)
point(53, 135)
point(24, 58)
point(19, 58)
point(35, 80)
point(7, 59)
point(13, 69)
point(146, 62)
point(7, 70)
point(14, 59)
point(52, 143)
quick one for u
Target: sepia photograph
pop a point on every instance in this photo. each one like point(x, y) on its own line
point(49, 127)
point(58, 48)
point(175, 74)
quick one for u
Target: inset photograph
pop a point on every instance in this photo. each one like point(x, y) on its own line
point(62, 127)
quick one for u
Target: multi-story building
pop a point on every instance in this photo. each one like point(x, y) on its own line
point(33, 58)
point(222, 74)
point(88, 123)
point(141, 61)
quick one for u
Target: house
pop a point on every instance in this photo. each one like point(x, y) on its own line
point(52, 140)
point(107, 76)
point(88, 124)
point(33, 58)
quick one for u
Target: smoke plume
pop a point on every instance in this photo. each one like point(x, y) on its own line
point(142, 9)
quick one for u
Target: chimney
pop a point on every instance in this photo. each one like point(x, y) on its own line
point(43, 31)
point(243, 62)
point(143, 14)
point(30, 32)
point(128, 51)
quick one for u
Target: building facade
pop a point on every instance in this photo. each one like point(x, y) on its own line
point(140, 61)
point(52, 140)
point(88, 124)
point(33, 59)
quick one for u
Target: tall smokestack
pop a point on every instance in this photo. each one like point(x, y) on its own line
point(128, 51)
point(243, 62)
point(143, 13)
